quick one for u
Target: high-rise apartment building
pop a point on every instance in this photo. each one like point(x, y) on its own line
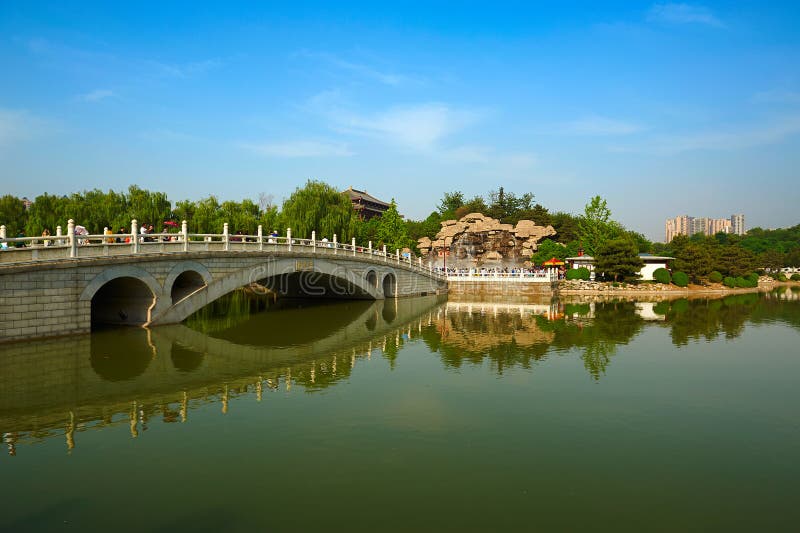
point(686, 225)
point(737, 224)
point(680, 225)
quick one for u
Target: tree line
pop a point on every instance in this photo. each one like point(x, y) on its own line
point(317, 206)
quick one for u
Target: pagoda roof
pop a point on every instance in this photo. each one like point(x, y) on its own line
point(355, 194)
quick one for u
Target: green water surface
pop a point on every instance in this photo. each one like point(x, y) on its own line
point(413, 415)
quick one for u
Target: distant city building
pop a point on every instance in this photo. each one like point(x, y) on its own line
point(737, 224)
point(686, 225)
point(680, 225)
point(366, 205)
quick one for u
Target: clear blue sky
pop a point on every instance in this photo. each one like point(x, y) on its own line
point(662, 108)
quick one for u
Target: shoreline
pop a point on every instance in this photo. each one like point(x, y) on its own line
point(716, 289)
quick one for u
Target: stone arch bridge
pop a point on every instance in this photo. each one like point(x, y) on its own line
point(43, 297)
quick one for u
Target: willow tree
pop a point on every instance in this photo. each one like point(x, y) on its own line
point(319, 207)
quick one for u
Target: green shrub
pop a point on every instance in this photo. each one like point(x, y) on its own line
point(662, 275)
point(680, 279)
point(740, 282)
point(715, 277)
point(782, 277)
point(795, 277)
point(729, 282)
point(752, 277)
point(578, 273)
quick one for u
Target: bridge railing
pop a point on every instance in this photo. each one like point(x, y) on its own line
point(72, 244)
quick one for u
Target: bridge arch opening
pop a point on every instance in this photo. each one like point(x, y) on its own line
point(389, 285)
point(372, 279)
point(185, 284)
point(123, 301)
point(312, 284)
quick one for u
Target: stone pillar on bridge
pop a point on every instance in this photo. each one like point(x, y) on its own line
point(73, 250)
point(2, 232)
point(397, 253)
point(370, 248)
point(385, 257)
point(59, 242)
point(185, 235)
point(314, 241)
point(134, 236)
point(260, 238)
point(289, 238)
point(354, 245)
point(225, 238)
point(335, 249)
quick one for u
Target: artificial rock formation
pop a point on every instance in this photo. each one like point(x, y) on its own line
point(478, 238)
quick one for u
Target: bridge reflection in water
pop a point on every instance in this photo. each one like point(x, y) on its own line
point(57, 388)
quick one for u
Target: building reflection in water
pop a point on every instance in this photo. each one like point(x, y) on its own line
point(59, 388)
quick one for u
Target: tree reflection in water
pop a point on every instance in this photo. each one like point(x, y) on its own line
point(521, 335)
point(132, 376)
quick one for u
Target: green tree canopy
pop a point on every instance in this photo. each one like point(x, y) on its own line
point(319, 207)
point(12, 215)
point(618, 259)
point(693, 259)
point(391, 230)
point(595, 227)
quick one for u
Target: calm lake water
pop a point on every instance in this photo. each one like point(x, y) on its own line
point(413, 415)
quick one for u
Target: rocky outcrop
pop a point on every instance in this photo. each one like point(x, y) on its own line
point(477, 238)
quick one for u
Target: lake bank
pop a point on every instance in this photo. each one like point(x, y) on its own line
point(669, 291)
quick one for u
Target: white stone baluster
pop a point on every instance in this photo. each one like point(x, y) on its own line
point(134, 236)
point(289, 238)
point(59, 241)
point(225, 238)
point(73, 249)
point(354, 245)
point(335, 244)
point(314, 241)
point(185, 235)
point(260, 238)
point(385, 256)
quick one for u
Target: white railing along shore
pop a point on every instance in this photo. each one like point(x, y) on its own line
point(548, 275)
point(69, 246)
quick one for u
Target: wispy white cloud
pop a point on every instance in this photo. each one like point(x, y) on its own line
point(417, 126)
point(360, 69)
point(19, 125)
point(96, 95)
point(599, 125)
point(182, 70)
point(169, 135)
point(470, 154)
point(488, 156)
point(420, 126)
point(734, 138)
point(683, 14)
point(777, 97)
point(62, 56)
point(300, 148)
